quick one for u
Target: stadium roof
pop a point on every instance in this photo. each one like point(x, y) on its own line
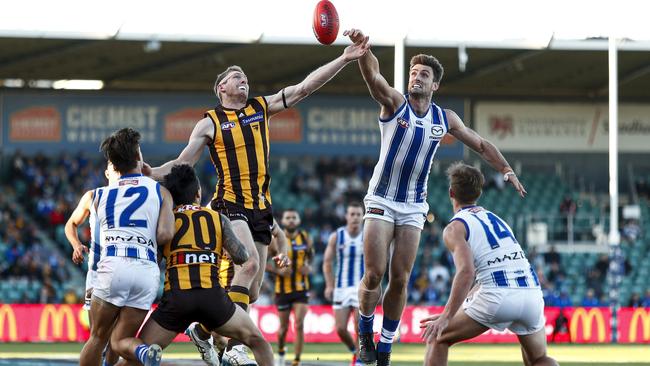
point(555, 49)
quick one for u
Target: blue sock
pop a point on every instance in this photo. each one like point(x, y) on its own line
point(106, 363)
point(388, 330)
point(365, 323)
point(141, 352)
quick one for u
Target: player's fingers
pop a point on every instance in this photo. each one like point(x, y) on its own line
point(346, 32)
point(430, 318)
point(427, 330)
point(84, 249)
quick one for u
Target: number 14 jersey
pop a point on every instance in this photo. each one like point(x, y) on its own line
point(498, 258)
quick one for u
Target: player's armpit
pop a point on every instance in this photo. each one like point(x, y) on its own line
point(231, 243)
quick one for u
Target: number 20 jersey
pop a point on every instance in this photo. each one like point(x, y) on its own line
point(498, 258)
point(127, 213)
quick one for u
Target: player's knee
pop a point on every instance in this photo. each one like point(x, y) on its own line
point(250, 267)
point(253, 293)
point(299, 326)
point(398, 282)
point(372, 279)
point(341, 330)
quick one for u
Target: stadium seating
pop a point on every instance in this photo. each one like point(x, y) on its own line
point(319, 190)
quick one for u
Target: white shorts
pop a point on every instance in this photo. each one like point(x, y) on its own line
point(128, 282)
point(399, 213)
point(346, 297)
point(91, 279)
point(520, 310)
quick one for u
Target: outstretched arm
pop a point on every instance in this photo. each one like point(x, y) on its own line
point(483, 147)
point(454, 238)
point(388, 97)
point(202, 134)
point(289, 96)
point(78, 216)
point(234, 246)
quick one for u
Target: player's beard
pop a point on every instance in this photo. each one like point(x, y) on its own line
point(292, 230)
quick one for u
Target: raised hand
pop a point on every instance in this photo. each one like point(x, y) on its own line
point(356, 35)
point(356, 50)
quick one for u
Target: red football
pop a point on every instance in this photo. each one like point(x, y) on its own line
point(326, 22)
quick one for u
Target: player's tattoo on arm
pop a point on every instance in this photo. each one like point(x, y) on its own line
point(231, 243)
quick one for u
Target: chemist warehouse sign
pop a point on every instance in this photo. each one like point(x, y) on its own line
point(52, 122)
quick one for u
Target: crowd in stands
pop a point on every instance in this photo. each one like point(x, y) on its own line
point(49, 187)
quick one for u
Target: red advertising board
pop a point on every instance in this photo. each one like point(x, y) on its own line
point(69, 323)
point(35, 124)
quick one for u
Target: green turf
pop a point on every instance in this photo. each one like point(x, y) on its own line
point(471, 354)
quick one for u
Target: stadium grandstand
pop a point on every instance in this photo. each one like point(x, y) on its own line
point(542, 99)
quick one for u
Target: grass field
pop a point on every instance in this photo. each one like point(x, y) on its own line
point(334, 354)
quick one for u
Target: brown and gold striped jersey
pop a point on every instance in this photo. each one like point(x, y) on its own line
point(300, 253)
point(194, 253)
point(240, 153)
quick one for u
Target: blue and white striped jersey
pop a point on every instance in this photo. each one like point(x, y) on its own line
point(498, 257)
point(127, 213)
point(349, 258)
point(408, 144)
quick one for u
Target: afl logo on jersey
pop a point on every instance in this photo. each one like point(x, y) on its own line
point(403, 123)
point(227, 126)
point(437, 131)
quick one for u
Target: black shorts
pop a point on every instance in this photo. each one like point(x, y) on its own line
point(284, 301)
point(179, 308)
point(259, 222)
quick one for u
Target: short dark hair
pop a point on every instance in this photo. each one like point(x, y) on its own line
point(466, 182)
point(355, 204)
point(430, 61)
point(121, 149)
point(182, 183)
point(221, 76)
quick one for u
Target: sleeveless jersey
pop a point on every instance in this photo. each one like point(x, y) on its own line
point(240, 153)
point(349, 258)
point(127, 213)
point(194, 253)
point(498, 257)
point(408, 144)
point(299, 252)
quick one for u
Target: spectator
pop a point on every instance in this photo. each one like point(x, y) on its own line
point(635, 301)
point(602, 266)
point(440, 273)
point(552, 256)
point(590, 299)
point(631, 231)
point(646, 299)
point(568, 206)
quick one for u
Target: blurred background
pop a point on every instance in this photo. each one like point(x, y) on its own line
point(538, 90)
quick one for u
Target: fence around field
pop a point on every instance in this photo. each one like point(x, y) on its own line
point(69, 323)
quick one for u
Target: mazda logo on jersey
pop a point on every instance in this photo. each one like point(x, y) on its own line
point(437, 131)
point(403, 123)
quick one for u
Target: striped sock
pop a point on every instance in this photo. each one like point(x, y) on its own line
point(388, 330)
point(141, 352)
point(240, 296)
point(365, 323)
